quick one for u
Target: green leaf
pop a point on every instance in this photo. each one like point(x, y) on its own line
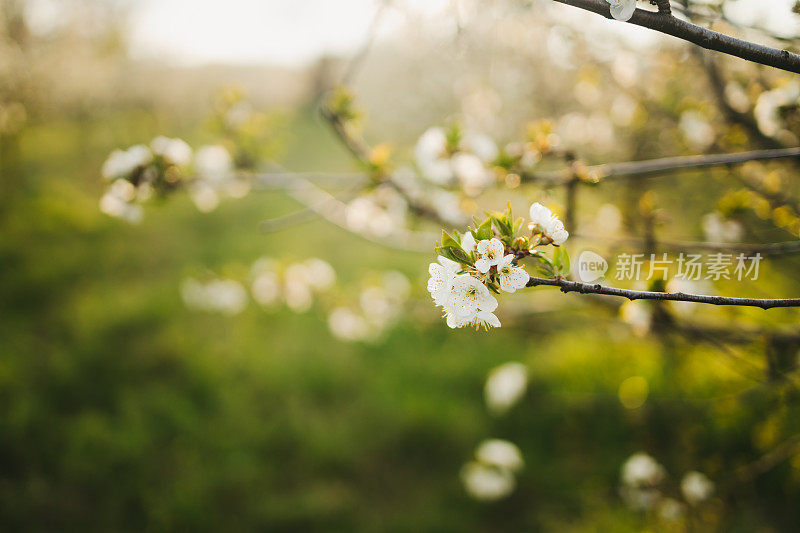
point(484, 231)
point(502, 224)
point(448, 241)
point(561, 261)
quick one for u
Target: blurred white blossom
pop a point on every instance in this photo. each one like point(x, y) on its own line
point(348, 325)
point(223, 296)
point(500, 454)
point(175, 151)
point(696, 487)
point(719, 229)
point(487, 483)
point(121, 163)
point(505, 385)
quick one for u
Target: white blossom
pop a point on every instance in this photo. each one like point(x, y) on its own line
point(505, 385)
point(642, 470)
point(500, 454)
point(205, 197)
point(718, 229)
point(511, 277)
point(769, 103)
point(622, 9)
point(224, 296)
point(266, 288)
point(490, 254)
point(481, 145)
point(118, 202)
point(487, 483)
point(320, 275)
point(486, 320)
point(441, 275)
point(174, 150)
point(471, 172)
point(431, 155)
point(468, 242)
point(467, 296)
point(213, 163)
point(121, 163)
point(544, 221)
point(347, 325)
point(696, 487)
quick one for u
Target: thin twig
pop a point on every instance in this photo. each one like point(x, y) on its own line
point(586, 288)
point(705, 38)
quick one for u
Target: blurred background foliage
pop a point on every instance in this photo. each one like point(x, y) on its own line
point(122, 409)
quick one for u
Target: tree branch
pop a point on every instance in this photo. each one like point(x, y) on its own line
point(663, 165)
point(711, 40)
point(586, 288)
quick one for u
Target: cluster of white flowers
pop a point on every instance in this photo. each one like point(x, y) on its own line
point(464, 298)
point(461, 283)
point(547, 224)
point(464, 158)
point(622, 9)
point(296, 284)
point(643, 488)
point(225, 296)
point(137, 173)
point(490, 476)
point(379, 306)
point(505, 385)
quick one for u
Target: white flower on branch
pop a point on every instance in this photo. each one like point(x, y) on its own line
point(441, 277)
point(468, 243)
point(467, 297)
point(511, 277)
point(696, 487)
point(490, 254)
point(622, 9)
point(545, 222)
point(504, 387)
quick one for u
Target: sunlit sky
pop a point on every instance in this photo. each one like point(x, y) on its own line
point(292, 32)
point(247, 31)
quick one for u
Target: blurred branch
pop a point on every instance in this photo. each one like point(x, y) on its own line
point(319, 202)
point(771, 248)
point(660, 166)
point(586, 288)
point(361, 151)
point(769, 461)
point(709, 39)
